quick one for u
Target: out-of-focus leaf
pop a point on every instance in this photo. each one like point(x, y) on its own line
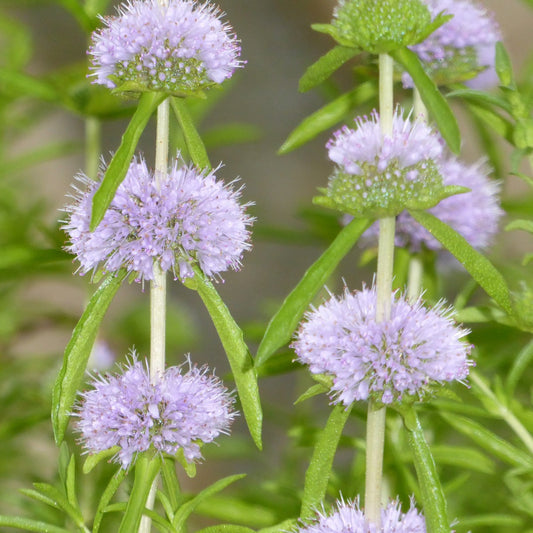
point(462, 457)
point(481, 97)
point(520, 364)
point(226, 528)
point(231, 134)
point(526, 225)
point(19, 84)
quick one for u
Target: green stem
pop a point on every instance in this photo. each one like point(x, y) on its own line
point(414, 278)
point(419, 108)
point(92, 146)
point(375, 434)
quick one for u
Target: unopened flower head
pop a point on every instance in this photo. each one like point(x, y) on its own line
point(347, 517)
point(179, 48)
point(187, 218)
point(381, 175)
point(183, 408)
point(461, 49)
point(380, 27)
point(409, 355)
point(474, 214)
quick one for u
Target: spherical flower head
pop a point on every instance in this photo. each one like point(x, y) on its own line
point(407, 356)
point(475, 214)
point(380, 176)
point(188, 218)
point(347, 517)
point(381, 27)
point(462, 49)
point(178, 412)
point(179, 48)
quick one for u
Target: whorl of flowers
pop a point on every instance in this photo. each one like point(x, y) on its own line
point(461, 49)
point(474, 214)
point(178, 411)
point(382, 175)
point(347, 517)
point(380, 27)
point(179, 48)
point(188, 218)
point(409, 354)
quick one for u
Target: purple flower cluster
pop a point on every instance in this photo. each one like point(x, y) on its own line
point(409, 354)
point(462, 47)
point(349, 518)
point(380, 175)
point(177, 412)
point(187, 218)
point(177, 48)
point(475, 214)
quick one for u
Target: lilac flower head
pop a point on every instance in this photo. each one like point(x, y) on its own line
point(474, 214)
point(349, 518)
point(382, 175)
point(179, 48)
point(177, 412)
point(409, 354)
point(188, 218)
point(461, 49)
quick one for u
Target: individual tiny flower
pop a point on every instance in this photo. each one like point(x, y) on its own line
point(383, 175)
point(187, 218)
point(179, 48)
point(381, 27)
point(182, 409)
point(410, 354)
point(347, 517)
point(461, 49)
point(474, 214)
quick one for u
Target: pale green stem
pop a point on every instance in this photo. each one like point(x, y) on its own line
point(419, 108)
point(414, 278)
point(375, 433)
point(92, 146)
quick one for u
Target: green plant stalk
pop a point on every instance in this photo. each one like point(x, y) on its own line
point(375, 432)
point(93, 137)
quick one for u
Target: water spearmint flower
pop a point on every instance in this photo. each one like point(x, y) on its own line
point(177, 412)
point(349, 518)
point(461, 49)
point(179, 48)
point(474, 214)
point(380, 175)
point(408, 355)
point(188, 218)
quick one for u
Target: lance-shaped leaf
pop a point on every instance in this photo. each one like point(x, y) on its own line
point(77, 354)
point(318, 472)
point(118, 167)
point(239, 356)
point(26, 524)
point(322, 69)
point(284, 322)
point(108, 493)
point(432, 98)
point(477, 265)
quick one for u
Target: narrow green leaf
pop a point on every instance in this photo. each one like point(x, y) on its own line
point(311, 392)
point(61, 502)
point(233, 510)
point(287, 525)
point(170, 479)
point(118, 167)
point(94, 458)
point(77, 354)
point(432, 495)
point(20, 84)
point(319, 470)
point(146, 469)
point(239, 356)
point(491, 521)
point(503, 127)
point(478, 266)
point(504, 68)
point(70, 484)
point(284, 322)
point(193, 140)
point(520, 363)
point(75, 8)
point(327, 116)
point(322, 69)
point(188, 508)
point(481, 97)
point(27, 524)
point(40, 497)
point(109, 492)
point(526, 225)
point(463, 457)
point(437, 105)
point(226, 528)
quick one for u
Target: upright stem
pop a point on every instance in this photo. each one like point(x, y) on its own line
point(375, 434)
point(419, 108)
point(92, 146)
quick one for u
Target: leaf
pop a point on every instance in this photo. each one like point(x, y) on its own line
point(481, 97)
point(526, 225)
point(311, 392)
point(432, 495)
point(120, 163)
point(27, 524)
point(504, 68)
point(463, 457)
point(171, 483)
point(319, 470)
point(239, 356)
point(60, 502)
point(76, 10)
point(287, 525)
point(188, 508)
point(107, 494)
point(520, 363)
point(94, 458)
point(193, 140)
point(322, 69)
point(284, 322)
point(77, 353)
point(226, 528)
point(20, 84)
point(503, 127)
point(327, 116)
point(477, 265)
point(231, 134)
point(432, 98)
